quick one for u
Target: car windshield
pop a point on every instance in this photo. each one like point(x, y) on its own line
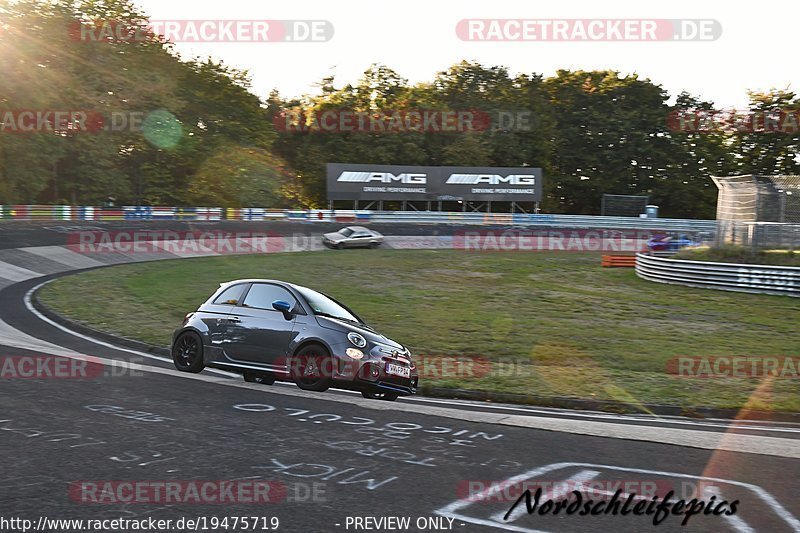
point(323, 305)
point(346, 232)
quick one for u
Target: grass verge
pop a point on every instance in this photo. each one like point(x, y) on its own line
point(737, 254)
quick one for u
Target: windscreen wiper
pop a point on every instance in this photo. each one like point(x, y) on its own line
point(321, 313)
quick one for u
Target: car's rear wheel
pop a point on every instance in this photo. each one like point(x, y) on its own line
point(374, 244)
point(265, 378)
point(385, 396)
point(312, 368)
point(187, 352)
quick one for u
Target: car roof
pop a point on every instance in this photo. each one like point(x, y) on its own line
point(357, 228)
point(260, 280)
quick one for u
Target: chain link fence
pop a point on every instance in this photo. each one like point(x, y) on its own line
point(758, 235)
point(759, 212)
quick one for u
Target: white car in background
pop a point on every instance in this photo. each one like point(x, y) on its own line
point(353, 237)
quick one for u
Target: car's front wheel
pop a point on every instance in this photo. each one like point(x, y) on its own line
point(385, 396)
point(312, 368)
point(187, 352)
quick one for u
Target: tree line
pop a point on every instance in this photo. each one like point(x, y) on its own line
point(159, 129)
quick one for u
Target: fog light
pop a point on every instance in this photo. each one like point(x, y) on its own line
point(354, 353)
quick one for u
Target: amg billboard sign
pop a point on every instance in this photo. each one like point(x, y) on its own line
point(393, 182)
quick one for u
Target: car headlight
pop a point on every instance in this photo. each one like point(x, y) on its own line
point(357, 340)
point(354, 353)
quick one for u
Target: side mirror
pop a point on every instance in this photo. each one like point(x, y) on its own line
point(283, 307)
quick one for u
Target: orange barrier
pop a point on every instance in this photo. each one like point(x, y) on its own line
point(628, 261)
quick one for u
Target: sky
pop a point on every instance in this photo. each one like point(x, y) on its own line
point(757, 48)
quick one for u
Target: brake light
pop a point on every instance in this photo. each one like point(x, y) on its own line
point(187, 317)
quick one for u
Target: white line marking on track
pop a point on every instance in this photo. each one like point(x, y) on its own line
point(736, 522)
point(18, 339)
point(16, 273)
point(732, 424)
point(63, 255)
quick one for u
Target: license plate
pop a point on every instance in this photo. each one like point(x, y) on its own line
point(397, 370)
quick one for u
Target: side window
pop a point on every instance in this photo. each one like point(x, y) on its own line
point(231, 295)
point(262, 295)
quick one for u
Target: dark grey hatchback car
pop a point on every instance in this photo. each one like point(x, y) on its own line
point(268, 330)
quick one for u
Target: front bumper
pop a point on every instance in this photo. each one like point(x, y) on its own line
point(370, 373)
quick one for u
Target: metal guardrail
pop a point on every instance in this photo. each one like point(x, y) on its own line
point(45, 212)
point(533, 220)
point(763, 279)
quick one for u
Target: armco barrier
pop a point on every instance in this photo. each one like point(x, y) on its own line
point(763, 279)
point(59, 212)
point(529, 220)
